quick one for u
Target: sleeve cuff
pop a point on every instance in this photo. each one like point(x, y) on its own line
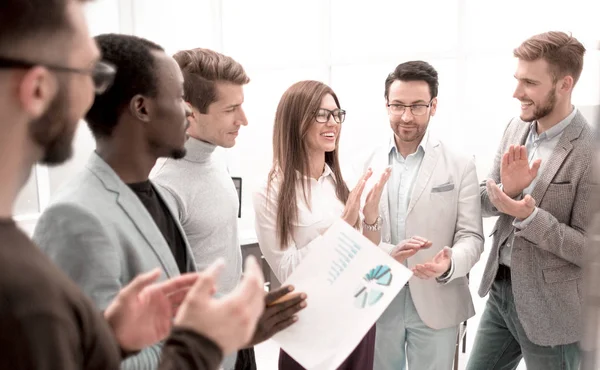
point(524, 223)
point(196, 351)
point(446, 276)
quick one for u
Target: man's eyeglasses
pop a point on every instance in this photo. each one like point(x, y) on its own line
point(102, 73)
point(398, 109)
point(322, 115)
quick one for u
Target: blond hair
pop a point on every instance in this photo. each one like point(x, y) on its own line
point(563, 52)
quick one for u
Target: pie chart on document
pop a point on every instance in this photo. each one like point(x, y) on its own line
point(372, 288)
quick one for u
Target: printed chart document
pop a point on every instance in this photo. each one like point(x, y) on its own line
point(349, 283)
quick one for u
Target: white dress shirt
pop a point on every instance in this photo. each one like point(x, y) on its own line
point(314, 218)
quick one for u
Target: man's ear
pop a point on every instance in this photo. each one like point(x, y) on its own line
point(37, 88)
point(139, 106)
point(434, 103)
point(193, 118)
point(566, 84)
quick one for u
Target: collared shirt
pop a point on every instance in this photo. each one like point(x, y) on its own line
point(314, 218)
point(400, 185)
point(538, 147)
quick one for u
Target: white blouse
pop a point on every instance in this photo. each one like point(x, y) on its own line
point(326, 208)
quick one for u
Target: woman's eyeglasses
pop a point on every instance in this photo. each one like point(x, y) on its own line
point(322, 115)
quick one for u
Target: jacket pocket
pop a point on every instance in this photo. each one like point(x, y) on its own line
point(442, 188)
point(562, 273)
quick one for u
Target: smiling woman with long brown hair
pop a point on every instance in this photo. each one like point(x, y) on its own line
point(305, 192)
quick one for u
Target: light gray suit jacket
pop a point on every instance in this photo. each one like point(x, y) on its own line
point(444, 208)
point(547, 255)
point(98, 231)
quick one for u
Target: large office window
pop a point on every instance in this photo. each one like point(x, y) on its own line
point(352, 46)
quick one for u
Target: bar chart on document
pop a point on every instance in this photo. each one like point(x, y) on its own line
point(374, 282)
point(346, 250)
point(347, 279)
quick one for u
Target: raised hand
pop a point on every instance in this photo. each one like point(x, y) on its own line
point(371, 207)
point(352, 208)
point(515, 172)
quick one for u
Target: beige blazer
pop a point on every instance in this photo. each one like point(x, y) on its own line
point(445, 209)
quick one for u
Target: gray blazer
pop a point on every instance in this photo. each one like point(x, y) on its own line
point(547, 255)
point(101, 235)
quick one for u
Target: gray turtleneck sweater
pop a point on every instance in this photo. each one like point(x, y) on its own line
point(202, 191)
point(205, 197)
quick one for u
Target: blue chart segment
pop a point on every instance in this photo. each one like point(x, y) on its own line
point(368, 293)
point(346, 249)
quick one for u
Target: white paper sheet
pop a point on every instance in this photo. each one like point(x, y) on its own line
point(349, 283)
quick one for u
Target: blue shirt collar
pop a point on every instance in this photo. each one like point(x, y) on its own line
point(554, 130)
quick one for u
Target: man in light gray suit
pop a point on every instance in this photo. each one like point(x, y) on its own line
point(430, 205)
point(540, 188)
point(110, 222)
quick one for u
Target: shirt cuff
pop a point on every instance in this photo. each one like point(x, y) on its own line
point(446, 276)
point(524, 223)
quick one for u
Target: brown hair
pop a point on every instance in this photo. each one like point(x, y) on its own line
point(564, 53)
point(39, 20)
point(295, 114)
point(202, 69)
point(416, 70)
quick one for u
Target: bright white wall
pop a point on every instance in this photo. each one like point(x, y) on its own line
point(352, 46)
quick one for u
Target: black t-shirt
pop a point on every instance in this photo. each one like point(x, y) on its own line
point(163, 219)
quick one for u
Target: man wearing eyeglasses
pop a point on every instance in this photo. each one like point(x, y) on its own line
point(430, 205)
point(46, 322)
point(200, 188)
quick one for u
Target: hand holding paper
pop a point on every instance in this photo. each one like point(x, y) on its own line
point(281, 307)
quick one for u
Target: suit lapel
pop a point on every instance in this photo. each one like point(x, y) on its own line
point(522, 136)
point(384, 204)
point(135, 210)
point(560, 152)
point(425, 172)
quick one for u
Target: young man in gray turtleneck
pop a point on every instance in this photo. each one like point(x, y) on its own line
point(200, 186)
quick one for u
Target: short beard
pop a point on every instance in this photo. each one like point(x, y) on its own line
point(178, 153)
point(53, 131)
point(544, 110)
